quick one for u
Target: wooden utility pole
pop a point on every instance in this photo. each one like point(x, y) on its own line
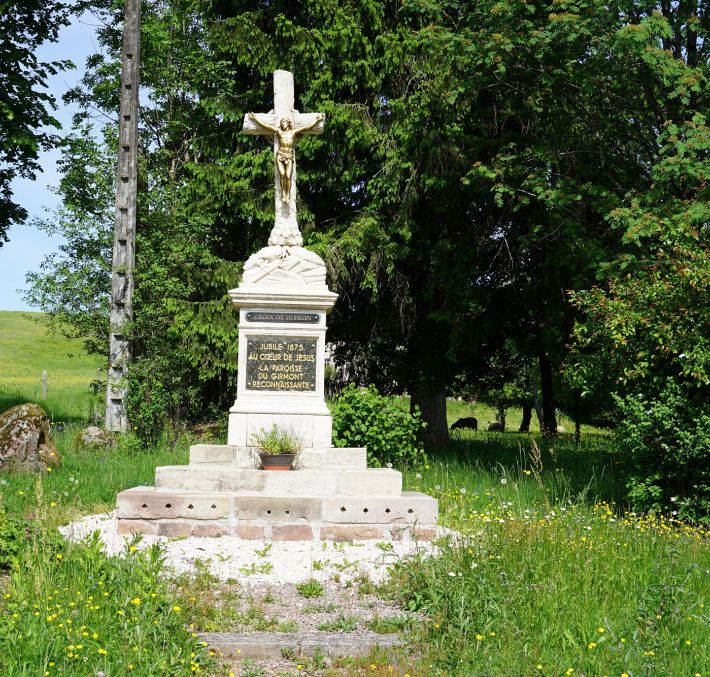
point(125, 223)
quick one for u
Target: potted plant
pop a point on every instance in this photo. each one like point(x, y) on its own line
point(277, 448)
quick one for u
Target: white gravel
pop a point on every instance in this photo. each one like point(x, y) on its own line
point(228, 557)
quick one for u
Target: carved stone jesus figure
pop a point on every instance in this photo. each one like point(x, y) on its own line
point(287, 136)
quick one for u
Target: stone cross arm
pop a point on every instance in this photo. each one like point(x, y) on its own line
point(300, 120)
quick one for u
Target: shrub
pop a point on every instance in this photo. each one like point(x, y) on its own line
point(364, 418)
point(665, 439)
point(155, 397)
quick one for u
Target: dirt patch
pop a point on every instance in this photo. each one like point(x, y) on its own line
point(355, 609)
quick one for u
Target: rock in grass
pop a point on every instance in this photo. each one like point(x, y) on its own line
point(25, 440)
point(94, 438)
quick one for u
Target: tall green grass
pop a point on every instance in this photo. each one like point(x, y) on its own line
point(548, 574)
point(87, 480)
point(572, 591)
point(68, 609)
point(530, 469)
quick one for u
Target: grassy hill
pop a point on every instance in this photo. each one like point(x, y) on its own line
point(27, 349)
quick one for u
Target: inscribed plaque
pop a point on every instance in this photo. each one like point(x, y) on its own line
point(306, 318)
point(281, 363)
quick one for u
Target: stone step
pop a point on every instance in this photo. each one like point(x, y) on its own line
point(149, 503)
point(317, 458)
point(273, 645)
point(227, 479)
point(273, 531)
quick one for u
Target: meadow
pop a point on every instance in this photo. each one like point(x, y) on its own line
point(546, 571)
point(27, 349)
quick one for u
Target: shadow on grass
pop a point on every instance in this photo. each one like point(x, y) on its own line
point(592, 471)
point(67, 408)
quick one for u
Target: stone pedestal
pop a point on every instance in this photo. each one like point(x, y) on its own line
point(330, 494)
point(282, 301)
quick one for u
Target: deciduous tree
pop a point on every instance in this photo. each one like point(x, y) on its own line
point(26, 119)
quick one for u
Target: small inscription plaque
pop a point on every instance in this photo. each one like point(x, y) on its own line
point(304, 318)
point(281, 363)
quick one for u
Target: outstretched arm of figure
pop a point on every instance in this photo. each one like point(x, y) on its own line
point(253, 118)
point(319, 117)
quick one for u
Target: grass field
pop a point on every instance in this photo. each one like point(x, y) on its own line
point(26, 350)
point(549, 574)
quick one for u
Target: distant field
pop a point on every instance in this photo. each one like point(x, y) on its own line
point(26, 350)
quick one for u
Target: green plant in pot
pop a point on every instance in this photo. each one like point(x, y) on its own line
point(277, 448)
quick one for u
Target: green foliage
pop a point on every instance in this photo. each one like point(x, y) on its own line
point(182, 315)
point(15, 533)
point(506, 383)
point(340, 624)
point(25, 107)
point(310, 588)
point(645, 333)
point(74, 283)
point(156, 395)
point(514, 600)
point(276, 441)
point(665, 440)
point(520, 569)
point(364, 418)
point(389, 624)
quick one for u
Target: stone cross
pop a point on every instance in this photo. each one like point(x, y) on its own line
point(285, 125)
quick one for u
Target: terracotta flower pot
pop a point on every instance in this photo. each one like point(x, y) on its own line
point(277, 461)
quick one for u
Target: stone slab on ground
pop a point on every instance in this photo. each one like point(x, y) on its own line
point(177, 513)
point(270, 645)
point(227, 557)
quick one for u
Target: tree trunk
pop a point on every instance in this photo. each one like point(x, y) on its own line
point(527, 417)
point(536, 396)
point(549, 421)
point(433, 410)
point(502, 411)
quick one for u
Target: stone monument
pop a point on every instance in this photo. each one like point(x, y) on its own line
point(283, 301)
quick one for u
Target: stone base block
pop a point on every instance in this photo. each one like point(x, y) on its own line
point(247, 458)
point(410, 507)
point(224, 454)
point(213, 478)
point(176, 513)
point(174, 528)
point(146, 502)
point(275, 508)
point(295, 531)
point(332, 458)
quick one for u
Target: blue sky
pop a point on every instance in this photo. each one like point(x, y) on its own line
point(27, 246)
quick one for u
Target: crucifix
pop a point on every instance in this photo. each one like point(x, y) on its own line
point(286, 125)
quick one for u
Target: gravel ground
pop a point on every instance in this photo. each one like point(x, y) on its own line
point(228, 557)
point(258, 579)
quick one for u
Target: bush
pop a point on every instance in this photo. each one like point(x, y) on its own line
point(155, 399)
point(666, 441)
point(364, 418)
